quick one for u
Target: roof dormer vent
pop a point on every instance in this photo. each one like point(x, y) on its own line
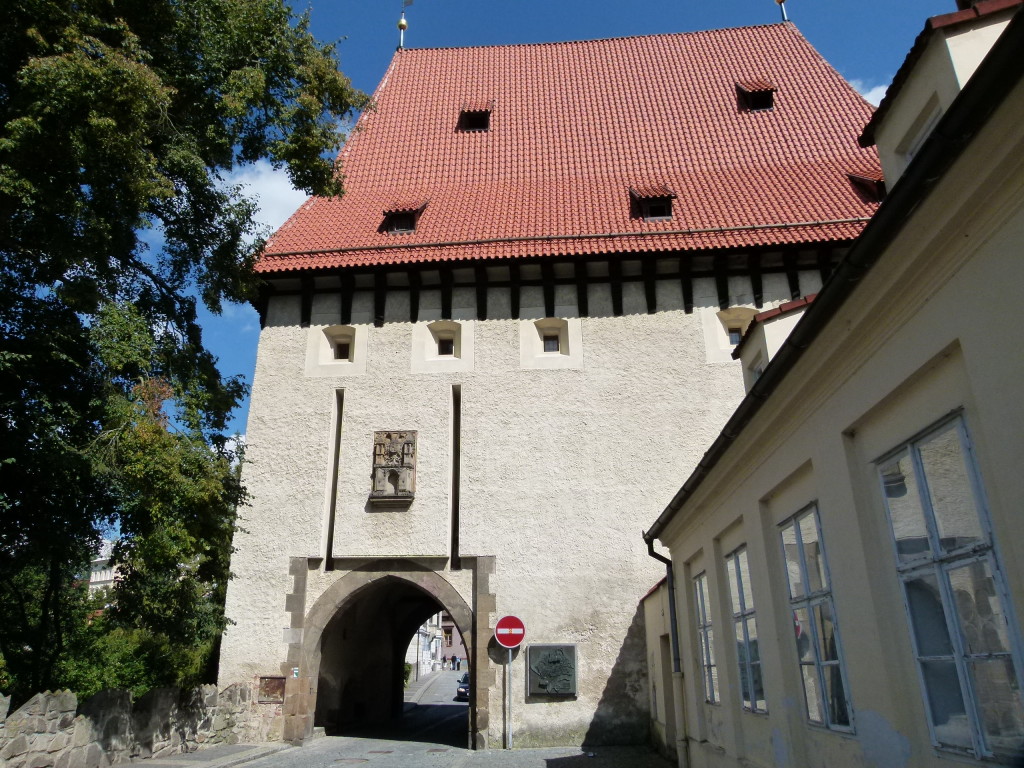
point(475, 116)
point(400, 218)
point(651, 202)
point(755, 94)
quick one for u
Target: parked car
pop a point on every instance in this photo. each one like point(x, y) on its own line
point(462, 689)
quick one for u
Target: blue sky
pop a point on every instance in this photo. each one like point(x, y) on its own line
point(865, 41)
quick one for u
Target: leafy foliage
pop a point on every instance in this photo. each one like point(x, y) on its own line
point(119, 122)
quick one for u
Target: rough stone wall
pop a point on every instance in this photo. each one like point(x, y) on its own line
point(51, 730)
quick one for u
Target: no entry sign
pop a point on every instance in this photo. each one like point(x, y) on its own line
point(509, 631)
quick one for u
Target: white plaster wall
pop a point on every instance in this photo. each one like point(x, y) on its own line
point(913, 343)
point(561, 471)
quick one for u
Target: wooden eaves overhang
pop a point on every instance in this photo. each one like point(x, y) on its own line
point(999, 73)
point(547, 272)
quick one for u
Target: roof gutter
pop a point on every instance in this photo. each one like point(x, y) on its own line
point(994, 79)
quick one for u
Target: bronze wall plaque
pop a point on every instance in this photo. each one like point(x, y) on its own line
point(394, 466)
point(551, 670)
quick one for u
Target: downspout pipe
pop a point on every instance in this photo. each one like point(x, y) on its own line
point(682, 743)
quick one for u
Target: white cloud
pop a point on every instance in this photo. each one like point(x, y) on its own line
point(276, 196)
point(872, 94)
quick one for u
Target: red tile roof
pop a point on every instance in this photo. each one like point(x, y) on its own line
point(574, 126)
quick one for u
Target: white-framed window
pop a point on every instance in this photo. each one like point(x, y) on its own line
point(705, 638)
point(966, 644)
point(737, 569)
point(814, 618)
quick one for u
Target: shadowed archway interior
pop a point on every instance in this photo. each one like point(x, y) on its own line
point(362, 654)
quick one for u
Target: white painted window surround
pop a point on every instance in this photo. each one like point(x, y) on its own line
point(427, 341)
point(966, 643)
point(570, 343)
point(705, 637)
point(322, 343)
point(816, 628)
point(744, 619)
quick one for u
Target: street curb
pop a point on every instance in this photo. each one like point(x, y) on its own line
point(228, 761)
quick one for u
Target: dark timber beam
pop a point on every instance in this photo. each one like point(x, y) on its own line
point(446, 293)
point(650, 267)
point(687, 284)
point(756, 283)
point(262, 303)
point(789, 260)
point(547, 271)
point(481, 292)
point(615, 273)
point(514, 289)
point(722, 281)
point(582, 302)
point(380, 296)
point(824, 262)
point(306, 307)
point(348, 287)
point(415, 284)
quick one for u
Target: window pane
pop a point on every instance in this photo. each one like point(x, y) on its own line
point(790, 549)
point(946, 704)
point(928, 616)
point(713, 690)
point(999, 704)
point(802, 621)
point(828, 649)
point(744, 569)
point(816, 580)
point(812, 698)
point(950, 490)
point(760, 704)
point(835, 695)
point(903, 498)
point(734, 587)
point(979, 609)
point(710, 647)
point(755, 654)
point(702, 598)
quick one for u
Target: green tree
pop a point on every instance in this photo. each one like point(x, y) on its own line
point(120, 121)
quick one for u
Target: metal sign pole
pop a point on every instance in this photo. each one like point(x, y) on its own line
point(508, 707)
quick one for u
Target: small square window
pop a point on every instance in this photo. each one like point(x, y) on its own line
point(343, 351)
point(761, 99)
point(399, 222)
point(656, 208)
point(551, 343)
point(735, 334)
point(475, 120)
point(445, 347)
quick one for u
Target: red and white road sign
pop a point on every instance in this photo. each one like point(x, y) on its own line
point(509, 631)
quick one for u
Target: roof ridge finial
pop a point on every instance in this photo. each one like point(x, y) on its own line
point(780, 3)
point(403, 24)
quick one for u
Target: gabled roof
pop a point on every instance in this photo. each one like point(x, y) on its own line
point(573, 127)
point(945, 21)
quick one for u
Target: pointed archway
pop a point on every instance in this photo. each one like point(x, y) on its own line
point(356, 634)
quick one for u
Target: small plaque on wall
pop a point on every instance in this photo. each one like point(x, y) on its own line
point(551, 670)
point(394, 467)
point(271, 690)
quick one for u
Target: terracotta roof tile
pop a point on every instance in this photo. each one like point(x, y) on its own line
point(573, 127)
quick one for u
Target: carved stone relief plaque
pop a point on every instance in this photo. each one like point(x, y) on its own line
point(394, 467)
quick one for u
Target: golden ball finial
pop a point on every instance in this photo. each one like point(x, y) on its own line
point(403, 24)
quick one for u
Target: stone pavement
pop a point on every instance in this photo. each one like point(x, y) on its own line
point(408, 752)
